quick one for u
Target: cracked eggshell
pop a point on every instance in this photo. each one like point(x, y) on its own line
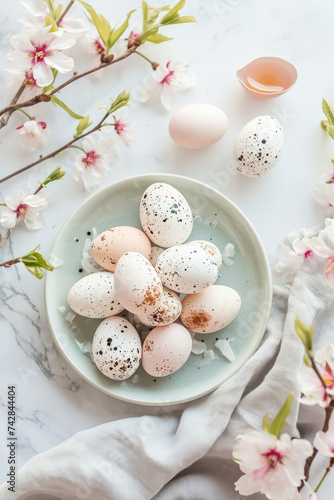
point(137, 285)
point(208, 247)
point(165, 215)
point(116, 348)
point(94, 296)
point(168, 311)
point(166, 349)
point(108, 247)
point(210, 310)
point(185, 269)
point(197, 126)
point(258, 146)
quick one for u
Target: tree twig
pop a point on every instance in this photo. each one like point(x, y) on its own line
point(9, 263)
point(59, 150)
point(4, 120)
point(47, 97)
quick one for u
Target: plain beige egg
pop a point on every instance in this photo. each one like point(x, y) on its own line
point(198, 126)
point(108, 247)
point(209, 311)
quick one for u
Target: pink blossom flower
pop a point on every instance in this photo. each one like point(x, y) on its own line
point(93, 165)
point(324, 441)
point(21, 206)
point(272, 466)
point(95, 47)
point(124, 130)
point(314, 391)
point(39, 51)
point(290, 260)
point(168, 79)
point(33, 135)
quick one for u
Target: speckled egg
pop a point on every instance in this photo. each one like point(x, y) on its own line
point(116, 348)
point(165, 215)
point(108, 247)
point(94, 296)
point(155, 252)
point(197, 126)
point(258, 146)
point(210, 310)
point(208, 247)
point(166, 349)
point(168, 311)
point(137, 285)
point(185, 269)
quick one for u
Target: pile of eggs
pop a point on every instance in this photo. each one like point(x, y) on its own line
point(148, 281)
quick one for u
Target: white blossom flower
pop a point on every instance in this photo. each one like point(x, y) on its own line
point(93, 165)
point(272, 466)
point(290, 260)
point(124, 129)
point(38, 9)
point(314, 391)
point(168, 79)
point(39, 51)
point(95, 47)
point(21, 206)
point(33, 135)
point(324, 441)
point(323, 194)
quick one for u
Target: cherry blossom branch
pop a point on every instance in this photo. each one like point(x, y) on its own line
point(47, 97)
point(13, 103)
point(10, 263)
point(57, 151)
point(309, 461)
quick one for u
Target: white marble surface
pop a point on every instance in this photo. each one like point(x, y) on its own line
point(52, 401)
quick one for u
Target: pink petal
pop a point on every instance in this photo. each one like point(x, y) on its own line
point(329, 272)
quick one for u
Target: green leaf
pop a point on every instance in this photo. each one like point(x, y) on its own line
point(50, 4)
point(181, 20)
point(117, 33)
point(57, 12)
point(100, 22)
point(35, 271)
point(56, 175)
point(328, 109)
point(51, 22)
point(173, 11)
point(306, 361)
point(121, 100)
point(61, 104)
point(34, 262)
point(305, 333)
point(157, 38)
point(84, 123)
point(153, 13)
point(276, 425)
point(328, 128)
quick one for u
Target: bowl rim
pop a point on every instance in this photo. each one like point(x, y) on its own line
point(166, 177)
point(268, 94)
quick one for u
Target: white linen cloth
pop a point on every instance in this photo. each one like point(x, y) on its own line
point(185, 452)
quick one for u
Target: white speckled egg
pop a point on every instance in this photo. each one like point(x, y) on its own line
point(198, 126)
point(168, 311)
point(116, 348)
point(185, 269)
point(208, 247)
point(165, 215)
point(155, 252)
point(137, 285)
point(108, 247)
point(210, 310)
point(258, 146)
point(166, 349)
point(94, 296)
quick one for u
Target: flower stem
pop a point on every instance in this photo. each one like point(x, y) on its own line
point(144, 57)
point(25, 113)
point(327, 471)
point(59, 150)
point(77, 147)
point(65, 11)
point(315, 368)
point(9, 263)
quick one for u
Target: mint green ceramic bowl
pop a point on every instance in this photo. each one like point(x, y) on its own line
point(118, 204)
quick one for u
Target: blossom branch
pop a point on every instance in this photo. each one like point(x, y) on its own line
point(57, 151)
point(47, 97)
point(13, 104)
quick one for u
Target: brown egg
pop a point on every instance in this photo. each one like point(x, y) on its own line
point(109, 246)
